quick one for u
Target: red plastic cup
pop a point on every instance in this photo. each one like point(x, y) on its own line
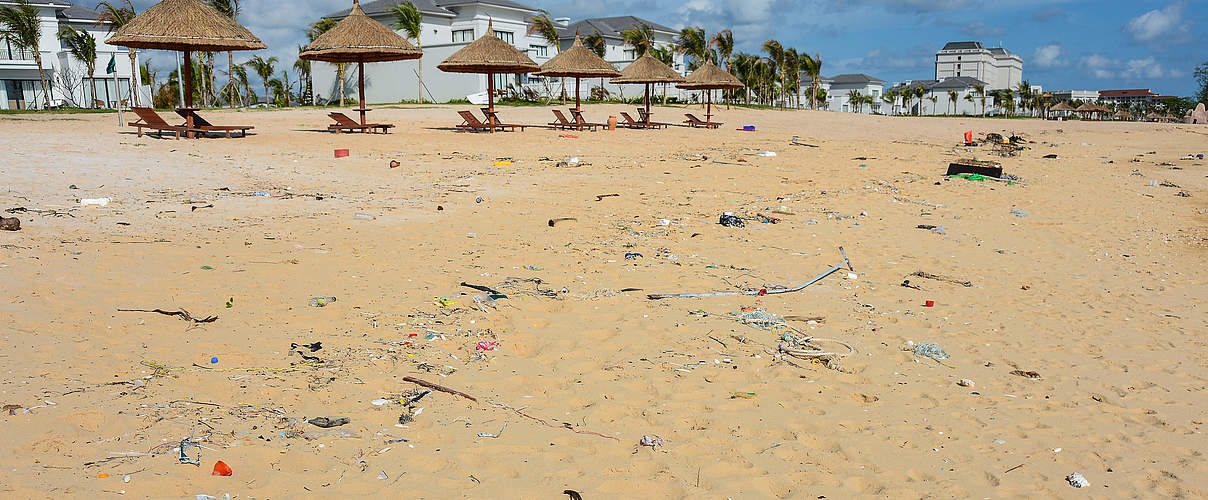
point(341, 153)
point(221, 469)
point(929, 303)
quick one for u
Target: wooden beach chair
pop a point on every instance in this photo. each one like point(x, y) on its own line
point(582, 123)
point(203, 125)
point(630, 122)
point(651, 124)
point(562, 122)
point(473, 123)
point(696, 122)
point(149, 119)
point(344, 122)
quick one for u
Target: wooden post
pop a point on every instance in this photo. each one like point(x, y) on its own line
point(491, 101)
point(361, 90)
point(188, 88)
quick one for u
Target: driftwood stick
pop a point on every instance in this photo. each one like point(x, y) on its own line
point(441, 388)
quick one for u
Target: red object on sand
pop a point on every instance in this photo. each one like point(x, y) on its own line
point(968, 137)
point(341, 153)
point(929, 303)
point(221, 469)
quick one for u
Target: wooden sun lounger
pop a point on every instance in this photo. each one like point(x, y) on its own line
point(630, 122)
point(696, 122)
point(343, 122)
point(562, 122)
point(202, 124)
point(149, 119)
point(582, 123)
point(473, 123)
point(646, 119)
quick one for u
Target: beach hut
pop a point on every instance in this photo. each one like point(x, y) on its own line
point(1064, 107)
point(647, 70)
point(708, 78)
point(186, 26)
point(359, 39)
point(489, 55)
point(578, 62)
point(1090, 108)
point(1124, 116)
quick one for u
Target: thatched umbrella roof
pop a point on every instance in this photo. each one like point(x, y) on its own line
point(357, 38)
point(490, 55)
point(647, 69)
point(580, 62)
point(1153, 115)
point(1124, 115)
point(709, 76)
point(184, 25)
point(1062, 106)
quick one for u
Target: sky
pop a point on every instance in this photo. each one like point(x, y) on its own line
point(1065, 44)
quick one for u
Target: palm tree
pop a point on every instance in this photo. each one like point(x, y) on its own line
point(666, 55)
point(640, 37)
point(241, 79)
point(792, 69)
point(22, 27)
point(264, 68)
point(595, 43)
point(1025, 94)
point(952, 95)
point(82, 46)
point(228, 8)
point(305, 82)
point(813, 69)
point(776, 53)
point(890, 97)
point(147, 74)
point(316, 29)
point(969, 97)
point(933, 100)
point(854, 99)
point(693, 42)
point(114, 18)
point(408, 19)
point(541, 24)
point(980, 89)
point(723, 42)
point(286, 88)
point(742, 69)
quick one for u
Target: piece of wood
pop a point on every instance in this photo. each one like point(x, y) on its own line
point(437, 387)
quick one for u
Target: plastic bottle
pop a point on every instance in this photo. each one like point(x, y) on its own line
point(321, 301)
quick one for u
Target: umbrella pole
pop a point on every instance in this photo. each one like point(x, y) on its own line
point(709, 106)
point(361, 90)
point(648, 104)
point(188, 86)
point(491, 100)
point(578, 107)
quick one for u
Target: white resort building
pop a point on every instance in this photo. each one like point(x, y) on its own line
point(449, 25)
point(70, 85)
point(997, 67)
point(838, 92)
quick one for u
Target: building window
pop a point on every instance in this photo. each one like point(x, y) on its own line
point(105, 92)
point(631, 54)
point(463, 36)
point(10, 51)
point(539, 50)
point(506, 36)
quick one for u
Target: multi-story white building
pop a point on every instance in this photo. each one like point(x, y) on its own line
point(1075, 95)
point(615, 49)
point(839, 88)
point(68, 78)
point(447, 26)
point(997, 67)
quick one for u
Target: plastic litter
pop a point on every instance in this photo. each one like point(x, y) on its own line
point(762, 319)
point(632, 256)
point(321, 301)
point(1077, 480)
point(766, 153)
point(939, 230)
point(221, 469)
point(360, 216)
point(261, 194)
point(100, 202)
point(495, 435)
point(730, 220)
point(1018, 213)
point(932, 351)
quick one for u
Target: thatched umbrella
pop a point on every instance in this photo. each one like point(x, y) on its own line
point(187, 26)
point(648, 71)
point(359, 39)
point(491, 56)
point(708, 78)
point(1062, 106)
point(1124, 115)
point(578, 62)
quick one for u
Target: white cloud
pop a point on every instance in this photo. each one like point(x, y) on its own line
point(1049, 56)
point(1147, 68)
point(980, 30)
point(1161, 25)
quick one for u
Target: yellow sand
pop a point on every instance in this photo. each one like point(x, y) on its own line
point(1099, 289)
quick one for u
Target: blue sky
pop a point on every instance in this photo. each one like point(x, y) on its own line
point(1065, 44)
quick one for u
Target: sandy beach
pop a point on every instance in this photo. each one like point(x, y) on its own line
point(1087, 271)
